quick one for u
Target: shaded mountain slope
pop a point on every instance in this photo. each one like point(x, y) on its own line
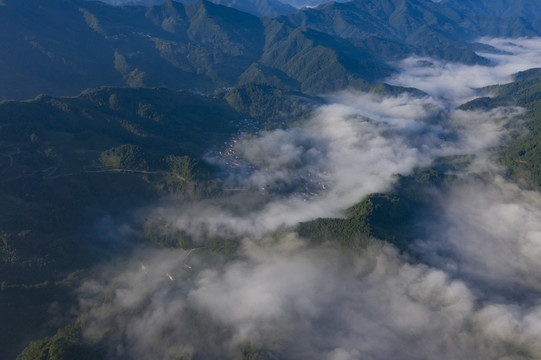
point(71, 167)
point(421, 26)
point(67, 155)
point(270, 8)
point(72, 45)
point(44, 46)
point(68, 166)
point(199, 46)
point(61, 47)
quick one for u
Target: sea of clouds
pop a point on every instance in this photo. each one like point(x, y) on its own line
point(470, 291)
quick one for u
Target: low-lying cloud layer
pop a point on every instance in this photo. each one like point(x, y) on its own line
point(474, 297)
point(349, 149)
point(455, 83)
point(490, 234)
point(299, 302)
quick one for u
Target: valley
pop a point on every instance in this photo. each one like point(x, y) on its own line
point(354, 180)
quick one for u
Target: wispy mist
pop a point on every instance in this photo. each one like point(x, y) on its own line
point(353, 147)
point(456, 83)
point(488, 231)
point(468, 293)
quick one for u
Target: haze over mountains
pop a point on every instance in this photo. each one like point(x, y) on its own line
point(248, 180)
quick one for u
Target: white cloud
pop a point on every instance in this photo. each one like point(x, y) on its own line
point(348, 149)
point(304, 301)
point(490, 232)
point(455, 83)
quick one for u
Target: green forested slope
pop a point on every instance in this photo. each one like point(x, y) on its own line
point(63, 156)
point(523, 154)
point(401, 27)
point(421, 26)
point(387, 216)
point(269, 104)
point(198, 46)
point(67, 162)
point(68, 165)
point(61, 47)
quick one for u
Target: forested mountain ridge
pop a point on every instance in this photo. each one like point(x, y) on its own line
point(228, 117)
point(422, 27)
point(200, 46)
point(70, 165)
point(61, 47)
point(60, 151)
point(388, 216)
point(66, 162)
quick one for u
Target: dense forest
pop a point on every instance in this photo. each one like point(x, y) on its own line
point(263, 180)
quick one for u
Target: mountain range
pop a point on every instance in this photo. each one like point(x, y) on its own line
point(62, 47)
point(500, 8)
point(107, 106)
